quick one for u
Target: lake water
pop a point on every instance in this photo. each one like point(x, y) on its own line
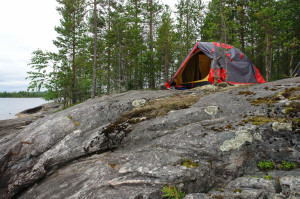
point(9, 107)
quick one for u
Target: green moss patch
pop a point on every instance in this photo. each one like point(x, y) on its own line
point(217, 129)
point(262, 119)
point(220, 190)
point(75, 122)
point(217, 197)
point(229, 126)
point(246, 93)
point(237, 191)
point(189, 164)
point(152, 108)
point(295, 97)
point(265, 100)
point(289, 92)
point(296, 123)
point(160, 107)
point(112, 165)
point(268, 177)
point(292, 108)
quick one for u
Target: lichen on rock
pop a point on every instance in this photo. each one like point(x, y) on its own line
point(278, 126)
point(138, 103)
point(241, 136)
point(211, 110)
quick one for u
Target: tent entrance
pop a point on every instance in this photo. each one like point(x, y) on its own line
point(196, 69)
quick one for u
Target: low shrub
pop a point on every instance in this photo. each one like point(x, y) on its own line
point(172, 193)
point(266, 165)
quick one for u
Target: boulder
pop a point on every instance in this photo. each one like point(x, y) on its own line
point(109, 148)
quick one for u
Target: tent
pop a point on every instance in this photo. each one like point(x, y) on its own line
point(197, 67)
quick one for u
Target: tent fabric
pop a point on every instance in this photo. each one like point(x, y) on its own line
point(197, 67)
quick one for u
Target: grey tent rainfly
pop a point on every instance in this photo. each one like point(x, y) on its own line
point(197, 69)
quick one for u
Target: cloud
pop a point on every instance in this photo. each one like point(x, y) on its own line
point(13, 86)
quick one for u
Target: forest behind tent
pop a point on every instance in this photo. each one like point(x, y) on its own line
point(197, 69)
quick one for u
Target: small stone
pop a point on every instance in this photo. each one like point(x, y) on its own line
point(34, 153)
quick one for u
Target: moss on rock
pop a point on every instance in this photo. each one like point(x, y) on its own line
point(262, 119)
point(189, 164)
point(246, 93)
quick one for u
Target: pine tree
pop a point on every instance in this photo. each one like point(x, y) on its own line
point(71, 31)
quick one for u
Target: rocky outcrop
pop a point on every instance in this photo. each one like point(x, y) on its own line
point(129, 145)
point(284, 185)
point(9, 128)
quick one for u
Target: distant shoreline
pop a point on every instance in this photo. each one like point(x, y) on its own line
point(11, 106)
point(22, 97)
point(22, 94)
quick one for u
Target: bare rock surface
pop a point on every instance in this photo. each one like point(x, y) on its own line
point(9, 128)
point(112, 147)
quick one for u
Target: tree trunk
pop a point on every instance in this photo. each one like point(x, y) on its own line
point(268, 55)
point(136, 76)
point(152, 78)
point(120, 72)
point(100, 85)
point(225, 38)
point(291, 64)
point(187, 26)
point(181, 49)
point(127, 74)
point(216, 70)
point(242, 28)
point(267, 59)
point(252, 44)
point(136, 56)
point(166, 63)
point(95, 51)
point(74, 100)
point(222, 25)
point(108, 53)
point(120, 64)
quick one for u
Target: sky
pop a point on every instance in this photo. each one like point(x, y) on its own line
point(26, 26)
